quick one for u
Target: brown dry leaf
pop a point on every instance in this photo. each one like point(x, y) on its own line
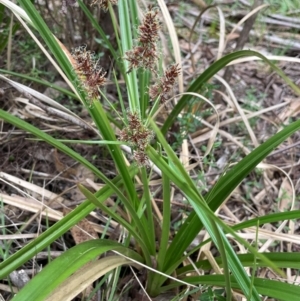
point(292, 110)
point(85, 276)
point(61, 167)
point(82, 174)
point(285, 195)
point(83, 231)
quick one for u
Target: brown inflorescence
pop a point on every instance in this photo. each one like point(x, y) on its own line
point(145, 54)
point(165, 84)
point(138, 136)
point(89, 71)
point(148, 30)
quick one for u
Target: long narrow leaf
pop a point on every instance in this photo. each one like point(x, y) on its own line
point(271, 288)
point(126, 38)
point(145, 244)
point(66, 264)
point(58, 229)
point(210, 72)
point(281, 260)
point(207, 217)
point(224, 187)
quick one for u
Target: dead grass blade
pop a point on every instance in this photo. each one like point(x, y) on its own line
point(85, 276)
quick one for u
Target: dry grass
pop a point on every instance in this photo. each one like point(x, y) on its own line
point(254, 105)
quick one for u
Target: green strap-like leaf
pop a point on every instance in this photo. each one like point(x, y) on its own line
point(210, 72)
point(227, 183)
point(272, 288)
point(65, 265)
point(281, 260)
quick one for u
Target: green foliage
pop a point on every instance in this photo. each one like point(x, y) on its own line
point(212, 295)
point(284, 6)
point(190, 120)
point(163, 253)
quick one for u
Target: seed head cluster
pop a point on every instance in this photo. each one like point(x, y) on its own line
point(145, 53)
point(138, 136)
point(104, 4)
point(89, 71)
point(164, 85)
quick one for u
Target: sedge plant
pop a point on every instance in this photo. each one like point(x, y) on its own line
point(138, 62)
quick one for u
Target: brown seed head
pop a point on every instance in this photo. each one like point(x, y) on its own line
point(138, 136)
point(165, 84)
point(145, 54)
point(89, 71)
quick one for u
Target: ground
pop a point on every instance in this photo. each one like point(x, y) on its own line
point(31, 169)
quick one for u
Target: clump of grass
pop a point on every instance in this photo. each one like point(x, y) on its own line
point(148, 241)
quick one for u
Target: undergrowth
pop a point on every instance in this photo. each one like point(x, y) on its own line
point(161, 254)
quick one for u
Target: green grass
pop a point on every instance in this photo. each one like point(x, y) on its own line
point(146, 236)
